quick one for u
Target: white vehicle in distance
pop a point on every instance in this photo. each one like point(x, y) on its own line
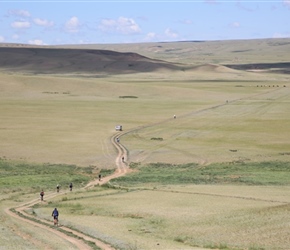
point(118, 127)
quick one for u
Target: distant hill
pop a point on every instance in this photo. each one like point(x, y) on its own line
point(259, 55)
point(223, 52)
point(68, 61)
point(279, 67)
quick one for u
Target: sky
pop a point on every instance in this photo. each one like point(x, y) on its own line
point(58, 22)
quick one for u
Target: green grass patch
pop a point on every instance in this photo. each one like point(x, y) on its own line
point(251, 173)
point(106, 172)
point(128, 96)
point(22, 176)
point(157, 138)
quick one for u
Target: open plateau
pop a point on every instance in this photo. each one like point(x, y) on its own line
point(178, 145)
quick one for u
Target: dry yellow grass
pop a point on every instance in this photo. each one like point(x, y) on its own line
point(184, 217)
point(70, 119)
point(18, 234)
point(252, 128)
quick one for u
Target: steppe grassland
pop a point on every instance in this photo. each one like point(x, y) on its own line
point(71, 119)
point(17, 234)
point(57, 119)
point(252, 126)
point(180, 217)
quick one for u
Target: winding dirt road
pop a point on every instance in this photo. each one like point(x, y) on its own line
point(78, 239)
point(121, 162)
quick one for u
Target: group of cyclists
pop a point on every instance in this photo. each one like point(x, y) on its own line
point(57, 190)
point(55, 212)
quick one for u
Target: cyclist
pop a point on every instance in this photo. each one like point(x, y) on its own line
point(55, 214)
point(41, 195)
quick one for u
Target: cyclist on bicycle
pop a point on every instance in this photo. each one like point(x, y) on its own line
point(55, 214)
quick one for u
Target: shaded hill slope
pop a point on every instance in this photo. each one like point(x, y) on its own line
point(282, 68)
point(221, 52)
point(66, 61)
point(260, 55)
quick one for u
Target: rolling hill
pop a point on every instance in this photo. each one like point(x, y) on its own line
point(66, 61)
point(259, 55)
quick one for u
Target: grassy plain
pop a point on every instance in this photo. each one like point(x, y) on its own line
point(218, 174)
point(70, 120)
point(160, 206)
point(169, 212)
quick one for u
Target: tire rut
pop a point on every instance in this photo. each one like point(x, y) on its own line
point(78, 239)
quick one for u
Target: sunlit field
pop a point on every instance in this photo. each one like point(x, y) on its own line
point(214, 177)
point(181, 217)
point(70, 120)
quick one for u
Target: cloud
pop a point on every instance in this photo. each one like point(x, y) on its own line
point(20, 13)
point(2, 39)
point(72, 25)
point(36, 42)
point(186, 21)
point(122, 25)
point(43, 22)
point(20, 24)
point(235, 25)
point(170, 34)
point(151, 35)
point(167, 35)
point(286, 3)
point(279, 35)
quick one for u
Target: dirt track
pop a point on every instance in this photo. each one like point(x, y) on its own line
point(78, 239)
point(122, 167)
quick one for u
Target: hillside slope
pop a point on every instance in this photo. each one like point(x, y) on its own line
point(65, 61)
point(260, 55)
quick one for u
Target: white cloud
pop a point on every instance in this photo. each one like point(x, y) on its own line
point(169, 33)
point(151, 35)
point(287, 3)
point(20, 25)
point(187, 21)
point(235, 25)
point(2, 39)
point(83, 41)
point(21, 13)
point(122, 25)
point(72, 25)
point(43, 22)
point(279, 35)
point(36, 42)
